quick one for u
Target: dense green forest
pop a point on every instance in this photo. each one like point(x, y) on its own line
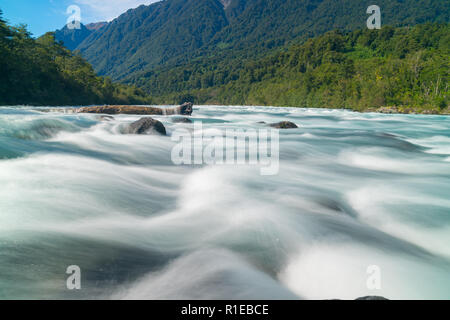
point(43, 72)
point(406, 67)
point(173, 32)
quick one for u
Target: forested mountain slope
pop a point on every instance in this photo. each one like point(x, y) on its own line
point(150, 35)
point(173, 32)
point(405, 67)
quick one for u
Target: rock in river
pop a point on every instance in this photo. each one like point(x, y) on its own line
point(106, 118)
point(371, 298)
point(146, 125)
point(284, 125)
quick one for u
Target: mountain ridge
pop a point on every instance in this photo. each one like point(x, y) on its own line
point(175, 31)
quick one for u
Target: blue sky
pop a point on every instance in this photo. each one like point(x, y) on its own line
point(48, 15)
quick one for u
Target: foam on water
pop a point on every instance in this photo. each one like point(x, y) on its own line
point(353, 190)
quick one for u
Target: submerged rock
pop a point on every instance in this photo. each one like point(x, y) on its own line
point(371, 298)
point(284, 125)
point(184, 109)
point(181, 120)
point(145, 126)
point(337, 206)
point(107, 118)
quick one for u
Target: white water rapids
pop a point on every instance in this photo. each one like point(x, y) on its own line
point(353, 190)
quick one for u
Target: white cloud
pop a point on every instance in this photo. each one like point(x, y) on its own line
point(101, 10)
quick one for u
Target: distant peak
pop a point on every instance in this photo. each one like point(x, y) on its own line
point(75, 25)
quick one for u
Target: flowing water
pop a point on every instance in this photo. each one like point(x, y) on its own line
point(353, 191)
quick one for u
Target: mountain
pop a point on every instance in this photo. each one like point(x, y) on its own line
point(171, 32)
point(150, 35)
point(72, 38)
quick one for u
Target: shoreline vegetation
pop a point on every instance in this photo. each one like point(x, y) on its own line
point(401, 70)
point(408, 110)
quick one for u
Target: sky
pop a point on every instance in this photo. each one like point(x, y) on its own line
point(42, 16)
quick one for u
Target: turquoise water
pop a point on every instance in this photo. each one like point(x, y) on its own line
point(353, 190)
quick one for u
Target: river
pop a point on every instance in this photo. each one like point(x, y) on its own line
point(356, 196)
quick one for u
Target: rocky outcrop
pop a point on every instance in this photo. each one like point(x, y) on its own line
point(184, 109)
point(284, 125)
point(406, 110)
point(389, 110)
point(146, 126)
point(430, 112)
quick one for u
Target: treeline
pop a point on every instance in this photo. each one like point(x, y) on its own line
point(43, 72)
point(361, 70)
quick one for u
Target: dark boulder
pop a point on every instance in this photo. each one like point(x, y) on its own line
point(284, 125)
point(186, 109)
point(145, 126)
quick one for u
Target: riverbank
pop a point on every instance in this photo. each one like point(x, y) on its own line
point(140, 109)
point(408, 110)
